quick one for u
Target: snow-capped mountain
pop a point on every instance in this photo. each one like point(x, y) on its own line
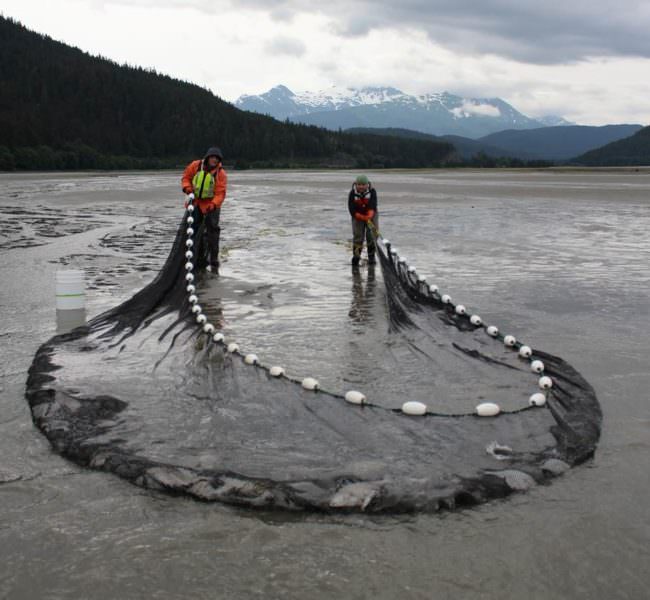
point(280, 102)
point(554, 121)
point(437, 113)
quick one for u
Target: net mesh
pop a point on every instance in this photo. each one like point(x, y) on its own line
point(142, 392)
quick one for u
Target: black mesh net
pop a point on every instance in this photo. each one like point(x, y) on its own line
point(143, 392)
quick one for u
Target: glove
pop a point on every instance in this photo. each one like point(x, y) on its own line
point(209, 208)
point(359, 217)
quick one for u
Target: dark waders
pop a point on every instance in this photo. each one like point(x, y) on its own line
point(211, 233)
point(361, 230)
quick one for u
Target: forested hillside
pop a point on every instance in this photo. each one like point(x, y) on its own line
point(61, 108)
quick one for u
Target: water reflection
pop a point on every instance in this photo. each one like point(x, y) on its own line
point(363, 295)
point(67, 320)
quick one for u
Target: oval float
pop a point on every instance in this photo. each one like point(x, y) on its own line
point(354, 397)
point(488, 409)
point(309, 383)
point(537, 399)
point(414, 408)
point(545, 383)
point(525, 352)
point(537, 366)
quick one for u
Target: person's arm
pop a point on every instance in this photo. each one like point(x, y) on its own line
point(372, 207)
point(351, 203)
point(220, 188)
point(372, 204)
point(188, 174)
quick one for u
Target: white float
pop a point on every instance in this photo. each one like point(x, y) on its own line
point(251, 359)
point(189, 243)
point(189, 277)
point(525, 352)
point(446, 299)
point(193, 299)
point(422, 279)
point(354, 397)
point(189, 266)
point(218, 337)
point(196, 309)
point(208, 328)
point(413, 408)
point(475, 320)
point(493, 330)
point(488, 409)
point(201, 319)
point(189, 255)
point(190, 289)
point(402, 260)
point(545, 383)
point(190, 220)
point(460, 309)
point(393, 251)
point(386, 242)
point(433, 288)
point(276, 371)
point(233, 347)
point(510, 340)
point(309, 383)
point(190, 208)
point(537, 399)
point(537, 366)
point(412, 269)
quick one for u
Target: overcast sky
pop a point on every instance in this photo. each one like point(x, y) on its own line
point(586, 60)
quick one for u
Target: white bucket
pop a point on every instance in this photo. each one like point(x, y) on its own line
point(70, 290)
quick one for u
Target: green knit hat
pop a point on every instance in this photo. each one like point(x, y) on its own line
point(361, 180)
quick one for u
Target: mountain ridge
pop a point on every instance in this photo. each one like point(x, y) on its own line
point(437, 113)
point(631, 151)
point(560, 142)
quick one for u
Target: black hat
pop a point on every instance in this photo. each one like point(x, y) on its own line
point(214, 151)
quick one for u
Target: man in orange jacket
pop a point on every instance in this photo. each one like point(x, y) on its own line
point(204, 181)
point(362, 204)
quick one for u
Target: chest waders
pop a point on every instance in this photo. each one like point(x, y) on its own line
point(205, 182)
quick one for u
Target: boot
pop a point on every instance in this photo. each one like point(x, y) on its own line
point(371, 258)
point(213, 249)
point(355, 260)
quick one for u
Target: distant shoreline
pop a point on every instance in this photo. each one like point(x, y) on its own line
point(554, 169)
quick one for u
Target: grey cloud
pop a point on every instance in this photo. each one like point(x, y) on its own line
point(553, 31)
point(282, 14)
point(286, 45)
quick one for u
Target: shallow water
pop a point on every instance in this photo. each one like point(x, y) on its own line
point(559, 259)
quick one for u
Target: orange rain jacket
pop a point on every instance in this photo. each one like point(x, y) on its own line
point(219, 186)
